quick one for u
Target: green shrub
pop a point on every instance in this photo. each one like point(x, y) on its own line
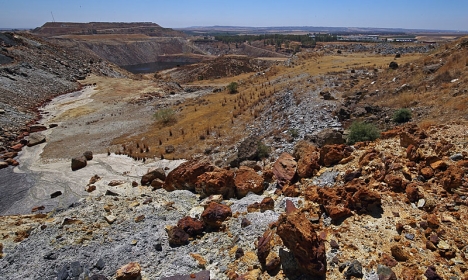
point(232, 87)
point(293, 132)
point(165, 116)
point(263, 151)
point(361, 131)
point(402, 115)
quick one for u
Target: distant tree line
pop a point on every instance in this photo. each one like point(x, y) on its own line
point(275, 39)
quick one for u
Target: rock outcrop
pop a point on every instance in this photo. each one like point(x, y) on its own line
point(247, 180)
point(185, 176)
point(299, 236)
point(285, 169)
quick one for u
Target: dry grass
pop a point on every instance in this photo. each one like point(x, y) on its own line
point(219, 119)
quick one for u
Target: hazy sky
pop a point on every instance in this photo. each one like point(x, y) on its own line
point(421, 14)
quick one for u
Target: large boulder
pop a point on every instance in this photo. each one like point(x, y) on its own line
point(285, 169)
point(333, 154)
point(78, 163)
point(184, 177)
point(247, 180)
point(220, 181)
point(157, 173)
point(327, 136)
point(299, 236)
point(308, 157)
point(215, 214)
point(36, 139)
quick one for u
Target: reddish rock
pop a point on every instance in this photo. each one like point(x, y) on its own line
point(427, 172)
point(156, 184)
point(412, 192)
point(215, 214)
point(8, 155)
point(36, 128)
point(3, 164)
point(272, 262)
point(393, 181)
point(12, 162)
point(308, 157)
point(367, 157)
point(452, 178)
point(130, 271)
point(364, 200)
point(245, 222)
point(291, 191)
point(88, 155)
point(431, 274)
point(17, 147)
point(78, 163)
point(90, 188)
point(177, 236)
point(247, 180)
point(333, 154)
point(191, 226)
point(433, 221)
point(388, 260)
point(267, 204)
point(438, 165)
point(220, 181)
point(399, 253)
point(264, 246)
point(407, 139)
point(300, 237)
point(285, 169)
point(202, 275)
point(184, 177)
point(412, 153)
point(391, 133)
point(94, 179)
point(463, 163)
point(157, 173)
point(336, 212)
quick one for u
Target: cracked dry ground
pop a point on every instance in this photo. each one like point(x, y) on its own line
point(396, 209)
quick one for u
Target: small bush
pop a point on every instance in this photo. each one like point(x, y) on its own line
point(165, 116)
point(232, 87)
point(402, 115)
point(263, 151)
point(361, 131)
point(293, 132)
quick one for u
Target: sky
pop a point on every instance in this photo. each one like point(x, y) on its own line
point(409, 14)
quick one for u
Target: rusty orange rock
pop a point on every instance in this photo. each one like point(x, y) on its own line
point(220, 181)
point(215, 214)
point(308, 157)
point(332, 154)
point(130, 271)
point(184, 177)
point(247, 180)
point(298, 235)
point(285, 169)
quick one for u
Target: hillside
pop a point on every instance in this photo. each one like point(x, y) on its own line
point(171, 173)
point(67, 28)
